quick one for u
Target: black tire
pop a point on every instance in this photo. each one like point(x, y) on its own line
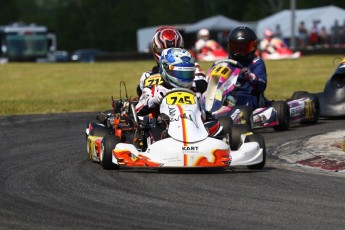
point(108, 144)
point(87, 126)
point(283, 113)
point(246, 114)
point(261, 141)
point(316, 110)
point(99, 131)
point(316, 106)
point(236, 131)
point(227, 123)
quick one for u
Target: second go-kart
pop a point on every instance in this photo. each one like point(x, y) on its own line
point(222, 83)
point(177, 138)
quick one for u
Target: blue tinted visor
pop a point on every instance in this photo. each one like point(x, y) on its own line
point(184, 74)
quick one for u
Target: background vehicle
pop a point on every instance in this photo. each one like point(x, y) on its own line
point(212, 51)
point(85, 55)
point(279, 51)
point(22, 42)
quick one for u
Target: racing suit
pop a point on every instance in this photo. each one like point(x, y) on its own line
point(253, 82)
point(152, 94)
point(155, 89)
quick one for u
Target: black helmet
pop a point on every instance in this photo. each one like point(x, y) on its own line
point(242, 43)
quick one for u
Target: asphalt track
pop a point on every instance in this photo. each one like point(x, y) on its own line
point(47, 182)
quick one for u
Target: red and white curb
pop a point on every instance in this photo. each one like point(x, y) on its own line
point(324, 152)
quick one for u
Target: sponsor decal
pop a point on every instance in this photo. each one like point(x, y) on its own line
point(186, 114)
point(190, 149)
point(236, 114)
point(294, 112)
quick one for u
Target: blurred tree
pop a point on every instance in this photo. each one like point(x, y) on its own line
point(112, 24)
point(8, 12)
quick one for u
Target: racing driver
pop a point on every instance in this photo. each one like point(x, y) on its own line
point(168, 37)
point(242, 46)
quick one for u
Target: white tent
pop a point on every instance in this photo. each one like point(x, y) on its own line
point(218, 22)
point(327, 15)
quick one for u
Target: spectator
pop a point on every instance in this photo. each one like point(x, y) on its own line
point(314, 34)
point(324, 37)
point(302, 35)
point(335, 36)
point(342, 33)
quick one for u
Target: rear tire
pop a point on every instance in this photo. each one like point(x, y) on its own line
point(316, 105)
point(283, 113)
point(108, 144)
point(261, 141)
point(99, 131)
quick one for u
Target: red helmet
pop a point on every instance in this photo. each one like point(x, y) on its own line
point(165, 37)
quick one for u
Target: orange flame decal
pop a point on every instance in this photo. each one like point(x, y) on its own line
point(221, 158)
point(125, 157)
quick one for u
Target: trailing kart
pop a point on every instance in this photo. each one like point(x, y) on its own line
point(332, 99)
point(177, 138)
point(212, 51)
point(281, 51)
point(220, 99)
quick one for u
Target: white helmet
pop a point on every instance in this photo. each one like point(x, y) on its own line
point(177, 67)
point(203, 33)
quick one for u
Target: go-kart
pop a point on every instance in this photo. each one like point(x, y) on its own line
point(332, 99)
point(222, 83)
point(212, 51)
point(177, 138)
point(281, 51)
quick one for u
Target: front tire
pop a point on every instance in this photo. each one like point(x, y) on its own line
point(226, 123)
point(236, 131)
point(108, 144)
point(261, 141)
point(97, 130)
point(283, 113)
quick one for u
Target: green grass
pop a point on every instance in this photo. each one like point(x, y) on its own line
point(30, 88)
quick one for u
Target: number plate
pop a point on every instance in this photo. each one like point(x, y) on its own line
point(221, 71)
point(179, 98)
point(153, 80)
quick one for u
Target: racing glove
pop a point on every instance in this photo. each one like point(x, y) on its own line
point(248, 76)
point(157, 95)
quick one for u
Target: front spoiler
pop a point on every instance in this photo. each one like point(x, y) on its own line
point(169, 153)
